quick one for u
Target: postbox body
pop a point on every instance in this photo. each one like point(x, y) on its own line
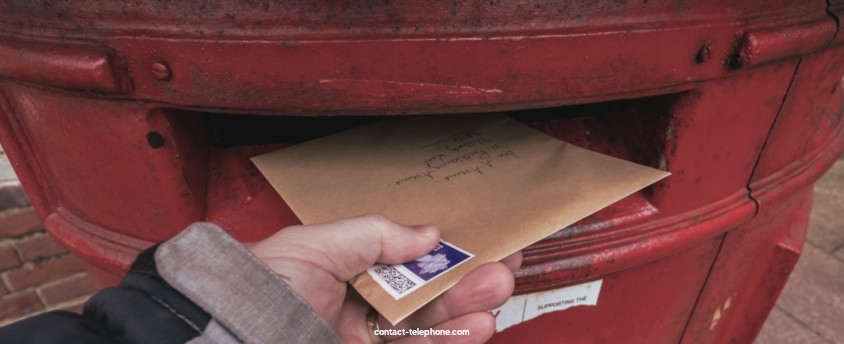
point(128, 120)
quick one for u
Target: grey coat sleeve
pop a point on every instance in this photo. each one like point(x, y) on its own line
point(200, 287)
point(247, 301)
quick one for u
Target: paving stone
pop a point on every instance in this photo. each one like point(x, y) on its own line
point(6, 171)
point(12, 196)
point(31, 275)
point(68, 289)
point(782, 329)
point(40, 246)
point(76, 307)
point(833, 180)
point(8, 258)
point(17, 222)
point(13, 306)
point(814, 294)
point(826, 229)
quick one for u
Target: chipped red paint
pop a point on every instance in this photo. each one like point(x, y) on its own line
point(768, 45)
point(72, 66)
point(128, 120)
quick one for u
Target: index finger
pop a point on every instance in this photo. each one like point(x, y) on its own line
point(347, 247)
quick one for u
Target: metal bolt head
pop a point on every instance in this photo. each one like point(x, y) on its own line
point(704, 54)
point(160, 70)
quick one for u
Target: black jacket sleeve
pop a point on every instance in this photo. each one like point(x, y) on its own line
point(201, 286)
point(142, 309)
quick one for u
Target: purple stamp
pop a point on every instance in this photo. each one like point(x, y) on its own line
point(440, 260)
point(402, 279)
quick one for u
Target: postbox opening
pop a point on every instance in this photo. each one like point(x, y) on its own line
point(631, 129)
point(221, 144)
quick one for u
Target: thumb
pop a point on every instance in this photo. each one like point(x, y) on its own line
point(347, 247)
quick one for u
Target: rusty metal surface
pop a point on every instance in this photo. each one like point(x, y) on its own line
point(804, 124)
point(80, 67)
point(140, 122)
point(764, 46)
point(654, 312)
point(332, 20)
point(753, 265)
point(800, 147)
point(322, 57)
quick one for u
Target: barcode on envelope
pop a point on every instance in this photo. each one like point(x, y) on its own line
point(398, 282)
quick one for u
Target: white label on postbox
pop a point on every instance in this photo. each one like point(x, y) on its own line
point(522, 308)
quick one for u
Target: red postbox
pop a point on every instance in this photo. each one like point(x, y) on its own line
point(128, 120)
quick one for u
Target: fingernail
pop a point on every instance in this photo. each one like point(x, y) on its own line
point(426, 231)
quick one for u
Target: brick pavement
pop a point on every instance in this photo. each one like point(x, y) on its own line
point(36, 273)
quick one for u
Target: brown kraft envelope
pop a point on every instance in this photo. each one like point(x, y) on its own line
point(491, 184)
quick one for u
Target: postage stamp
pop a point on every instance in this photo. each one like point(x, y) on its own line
point(402, 279)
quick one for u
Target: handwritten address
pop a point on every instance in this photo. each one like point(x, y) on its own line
point(466, 153)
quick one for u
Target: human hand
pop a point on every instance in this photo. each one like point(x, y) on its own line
point(318, 260)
